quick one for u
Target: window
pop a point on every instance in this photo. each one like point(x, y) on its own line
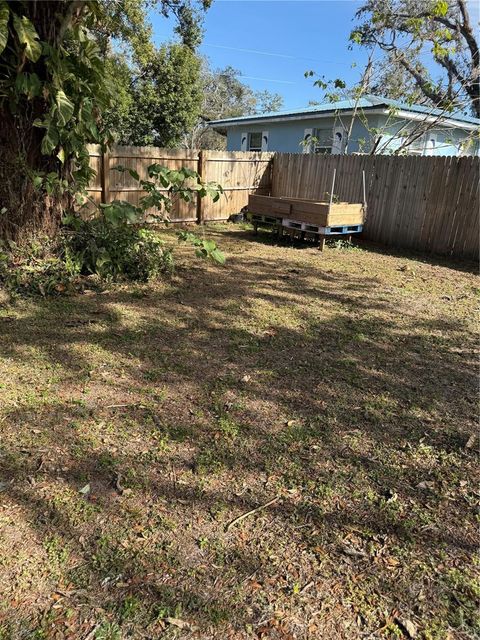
point(255, 141)
point(417, 146)
point(323, 140)
point(423, 145)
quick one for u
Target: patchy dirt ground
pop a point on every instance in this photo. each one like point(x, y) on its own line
point(138, 423)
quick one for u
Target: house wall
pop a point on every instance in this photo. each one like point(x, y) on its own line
point(287, 136)
point(448, 142)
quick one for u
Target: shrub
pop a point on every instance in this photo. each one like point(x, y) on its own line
point(114, 252)
point(115, 244)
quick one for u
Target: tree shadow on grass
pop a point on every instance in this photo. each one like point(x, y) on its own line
point(208, 399)
point(270, 238)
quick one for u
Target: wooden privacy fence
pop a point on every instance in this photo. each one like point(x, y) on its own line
point(421, 203)
point(238, 173)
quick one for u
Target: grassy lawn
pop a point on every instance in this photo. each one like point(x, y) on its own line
point(136, 424)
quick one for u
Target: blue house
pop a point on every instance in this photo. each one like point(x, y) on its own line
point(375, 123)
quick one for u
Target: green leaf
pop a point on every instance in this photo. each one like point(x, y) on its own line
point(29, 84)
point(27, 36)
point(4, 15)
point(217, 256)
point(356, 37)
point(50, 141)
point(440, 8)
point(64, 108)
point(209, 245)
point(37, 181)
point(61, 155)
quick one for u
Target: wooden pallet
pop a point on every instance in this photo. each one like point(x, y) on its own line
point(324, 231)
point(259, 219)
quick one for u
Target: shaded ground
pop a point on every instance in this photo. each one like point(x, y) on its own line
point(137, 423)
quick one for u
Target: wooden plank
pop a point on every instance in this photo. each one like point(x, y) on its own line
point(450, 212)
point(201, 173)
point(445, 189)
point(345, 215)
point(407, 202)
point(422, 196)
point(470, 248)
point(105, 177)
point(440, 171)
point(464, 235)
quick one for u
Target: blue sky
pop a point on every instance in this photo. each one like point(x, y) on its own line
point(272, 43)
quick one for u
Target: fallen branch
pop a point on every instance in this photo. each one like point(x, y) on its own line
point(118, 406)
point(249, 513)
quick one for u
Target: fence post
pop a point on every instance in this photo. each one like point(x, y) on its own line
point(105, 176)
point(201, 173)
point(271, 170)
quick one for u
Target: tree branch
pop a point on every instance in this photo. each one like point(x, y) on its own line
point(468, 33)
point(435, 96)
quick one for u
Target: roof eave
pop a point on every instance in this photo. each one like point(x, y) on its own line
point(303, 116)
point(444, 121)
point(375, 110)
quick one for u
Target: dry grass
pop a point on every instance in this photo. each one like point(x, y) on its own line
point(344, 383)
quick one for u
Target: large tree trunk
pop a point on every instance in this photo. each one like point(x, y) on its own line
point(25, 209)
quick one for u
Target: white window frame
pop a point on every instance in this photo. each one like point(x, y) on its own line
point(430, 137)
point(264, 140)
point(338, 149)
point(243, 141)
point(307, 145)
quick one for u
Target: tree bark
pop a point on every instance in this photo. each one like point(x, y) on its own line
point(25, 209)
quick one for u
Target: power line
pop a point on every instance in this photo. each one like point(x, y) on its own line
point(267, 79)
point(273, 54)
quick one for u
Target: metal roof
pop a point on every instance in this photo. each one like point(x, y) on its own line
point(366, 102)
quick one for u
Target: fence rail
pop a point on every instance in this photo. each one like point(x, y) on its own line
point(421, 203)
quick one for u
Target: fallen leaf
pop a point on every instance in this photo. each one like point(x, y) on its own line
point(426, 484)
point(176, 622)
point(246, 378)
point(255, 586)
point(470, 441)
point(392, 562)
point(85, 491)
point(408, 626)
point(354, 553)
